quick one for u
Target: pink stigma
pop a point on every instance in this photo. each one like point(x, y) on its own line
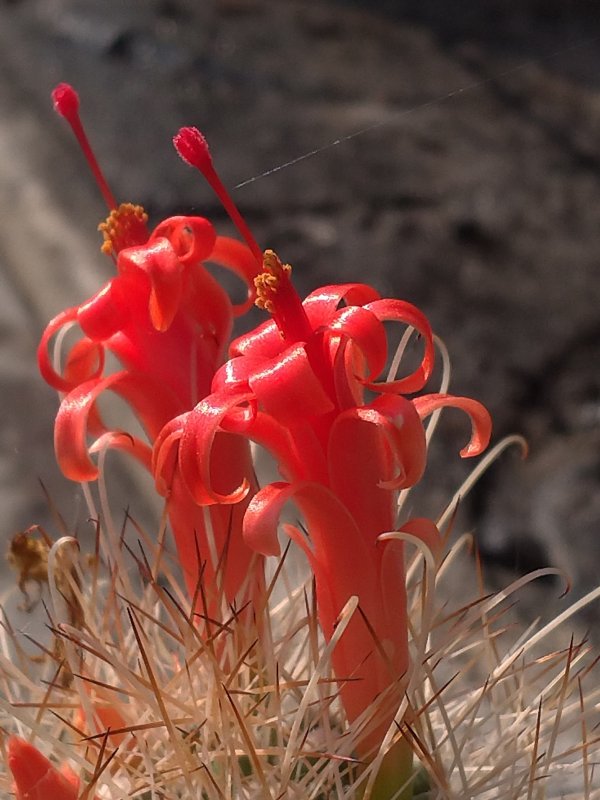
point(193, 149)
point(66, 101)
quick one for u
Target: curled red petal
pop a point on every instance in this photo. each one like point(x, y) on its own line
point(298, 451)
point(234, 375)
point(406, 436)
point(288, 389)
point(160, 263)
point(126, 443)
point(49, 374)
point(263, 341)
point(152, 403)
point(71, 429)
point(165, 297)
point(202, 426)
point(261, 521)
point(392, 310)
point(84, 362)
point(400, 424)
point(480, 419)
point(347, 365)
point(165, 453)
point(192, 238)
point(103, 314)
point(372, 452)
point(321, 305)
point(367, 333)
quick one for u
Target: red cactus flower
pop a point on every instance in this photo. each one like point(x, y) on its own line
point(168, 322)
point(36, 778)
point(107, 718)
point(305, 386)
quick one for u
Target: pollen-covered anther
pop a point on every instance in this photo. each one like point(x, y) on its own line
point(124, 227)
point(269, 281)
point(272, 265)
point(264, 305)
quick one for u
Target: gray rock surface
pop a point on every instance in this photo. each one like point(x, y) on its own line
point(473, 191)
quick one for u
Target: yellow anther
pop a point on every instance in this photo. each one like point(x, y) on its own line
point(272, 264)
point(124, 227)
point(265, 305)
point(268, 282)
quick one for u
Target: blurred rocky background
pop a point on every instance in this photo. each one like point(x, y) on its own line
point(458, 167)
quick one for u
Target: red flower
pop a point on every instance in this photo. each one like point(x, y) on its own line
point(168, 322)
point(36, 778)
point(305, 386)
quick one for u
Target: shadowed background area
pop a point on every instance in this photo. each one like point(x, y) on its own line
point(472, 191)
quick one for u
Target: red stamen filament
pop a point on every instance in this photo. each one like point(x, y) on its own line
point(66, 103)
point(193, 149)
point(276, 294)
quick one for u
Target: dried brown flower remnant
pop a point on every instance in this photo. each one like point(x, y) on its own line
point(29, 557)
point(45, 562)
